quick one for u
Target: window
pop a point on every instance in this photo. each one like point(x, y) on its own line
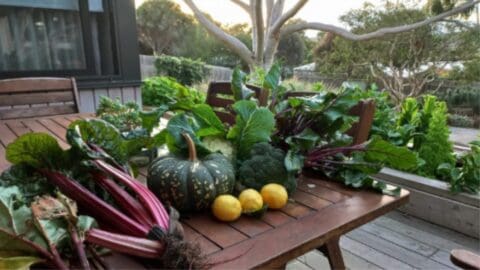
point(50, 37)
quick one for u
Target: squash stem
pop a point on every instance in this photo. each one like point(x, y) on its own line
point(192, 151)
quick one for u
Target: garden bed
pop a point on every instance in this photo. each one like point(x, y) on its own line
point(431, 200)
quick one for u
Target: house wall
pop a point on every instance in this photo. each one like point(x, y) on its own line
point(90, 98)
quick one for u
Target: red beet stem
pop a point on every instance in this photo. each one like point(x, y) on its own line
point(95, 206)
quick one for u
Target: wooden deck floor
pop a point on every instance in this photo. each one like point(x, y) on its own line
point(394, 241)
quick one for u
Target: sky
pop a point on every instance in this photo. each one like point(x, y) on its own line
point(325, 11)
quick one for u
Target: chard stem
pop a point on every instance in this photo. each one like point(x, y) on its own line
point(79, 248)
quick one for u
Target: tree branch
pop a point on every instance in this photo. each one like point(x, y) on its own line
point(230, 41)
point(269, 7)
point(243, 5)
point(257, 10)
point(277, 11)
point(286, 16)
point(378, 33)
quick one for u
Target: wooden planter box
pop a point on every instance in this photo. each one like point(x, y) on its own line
point(432, 201)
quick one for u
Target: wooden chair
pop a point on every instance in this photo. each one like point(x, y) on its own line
point(31, 97)
point(220, 97)
point(465, 259)
point(365, 111)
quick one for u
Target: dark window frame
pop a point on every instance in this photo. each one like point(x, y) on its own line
point(124, 43)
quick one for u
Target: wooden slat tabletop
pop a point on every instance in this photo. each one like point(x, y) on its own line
point(319, 211)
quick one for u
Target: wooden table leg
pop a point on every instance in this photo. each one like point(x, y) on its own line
point(332, 250)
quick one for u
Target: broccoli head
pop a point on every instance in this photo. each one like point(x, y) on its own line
point(265, 165)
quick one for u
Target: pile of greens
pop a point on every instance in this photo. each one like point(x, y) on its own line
point(274, 142)
point(43, 192)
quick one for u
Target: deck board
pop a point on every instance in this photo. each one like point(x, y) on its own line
point(7, 135)
point(17, 127)
point(4, 164)
point(362, 254)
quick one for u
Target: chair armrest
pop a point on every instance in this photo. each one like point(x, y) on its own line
point(465, 259)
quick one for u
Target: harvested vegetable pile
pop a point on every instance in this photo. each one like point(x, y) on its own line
point(60, 209)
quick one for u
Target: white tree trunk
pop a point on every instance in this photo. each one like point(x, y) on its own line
point(267, 37)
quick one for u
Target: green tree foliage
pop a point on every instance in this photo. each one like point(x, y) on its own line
point(292, 49)
point(470, 72)
point(161, 25)
point(440, 6)
point(354, 58)
point(404, 63)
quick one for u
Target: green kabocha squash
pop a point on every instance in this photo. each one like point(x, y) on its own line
point(190, 184)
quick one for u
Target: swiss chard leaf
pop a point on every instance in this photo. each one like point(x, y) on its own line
point(253, 125)
point(19, 263)
point(210, 124)
point(293, 161)
point(17, 221)
point(100, 133)
point(151, 119)
point(239, 89)
point(179, 124)
point(272, 79)
point(103, 134)
point(38, 150)
point(29, 182)
point(383, 152)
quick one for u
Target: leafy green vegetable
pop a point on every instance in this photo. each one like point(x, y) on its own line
point(239, 88)
point(272, 78)
point(210, 124)
point(29, 182)
point(106, 136)
point(265, 165)
point(324, 114)
point(253, 125)
point(179, 124)
point(161, 91)
point(436, 147)
point(385, 153)
point(19, 263)
point(467, 176)
point(37, 150)
point(219, 144)
point(151, 119)
point(125, 117)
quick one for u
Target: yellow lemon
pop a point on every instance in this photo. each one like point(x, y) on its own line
point(274, 195)
point(226, 208)
point(250, 200)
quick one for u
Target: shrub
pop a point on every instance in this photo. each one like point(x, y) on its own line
point(185, 70)
point(158, 91)
point(458, 120)
point(464, 97)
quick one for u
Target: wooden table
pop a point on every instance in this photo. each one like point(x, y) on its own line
point(320, 212)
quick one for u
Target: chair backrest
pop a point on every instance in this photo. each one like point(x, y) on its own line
point(365, 111)
point(220, 98)
point(31, 97)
